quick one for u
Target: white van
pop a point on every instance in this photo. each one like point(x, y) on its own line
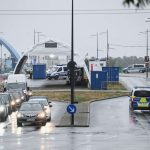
point(17, 81)
point(135, 68)
point(57, 72)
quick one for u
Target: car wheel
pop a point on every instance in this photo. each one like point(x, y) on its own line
point(19, 124)
point(49, 78)
point(49, 119)
point(3, 118)
point(44, 123)
point(56, 77)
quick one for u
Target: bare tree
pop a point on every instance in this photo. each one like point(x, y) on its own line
point(137, 3)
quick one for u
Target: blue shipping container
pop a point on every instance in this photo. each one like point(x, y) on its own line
point(98, 80)
point(39, 71)
point(108, 70)
point(112, 72)
point(115, 74)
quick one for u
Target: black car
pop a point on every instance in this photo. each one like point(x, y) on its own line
point(17, 97)
point(21, 93)
point(31, 112)
point(44, 101)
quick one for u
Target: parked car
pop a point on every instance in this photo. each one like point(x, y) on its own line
point(140, 98)
point(135, 68)
point(3, 110)
point(57, 72)
point(31, 112)
point(8, 100)
point(44, 101)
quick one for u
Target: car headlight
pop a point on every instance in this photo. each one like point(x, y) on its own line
point(22, 97)
point(13, 103)
point(25, 91)
point(47, 110)
point(41, 115)
point(2, 108)
point(19, 115)
point(17, 100)
point(30, 93)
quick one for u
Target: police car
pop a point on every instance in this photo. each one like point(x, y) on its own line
point(140, 98)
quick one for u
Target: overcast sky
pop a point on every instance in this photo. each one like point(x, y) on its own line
point(123, 25)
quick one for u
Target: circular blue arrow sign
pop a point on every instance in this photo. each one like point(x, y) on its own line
point(71, 109)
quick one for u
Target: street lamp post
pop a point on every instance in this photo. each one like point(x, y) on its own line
point(1, 58)
point(1, 54)
point(72, 61)
point(107, 59)
point(38, 35)
point(97, 49)
point(71, 65)
point(146, 63)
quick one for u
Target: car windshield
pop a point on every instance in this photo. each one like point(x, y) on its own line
point(4, 97)
point(42, 101)
point(31, 107)
point(15, 86)
point(143, 93)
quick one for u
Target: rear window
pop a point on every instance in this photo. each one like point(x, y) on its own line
point(138, 66)
point(142, 93)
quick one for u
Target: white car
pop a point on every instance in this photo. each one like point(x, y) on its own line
point(135, 68)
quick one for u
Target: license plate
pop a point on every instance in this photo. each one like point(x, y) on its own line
point(143, 104)
point(31, 119)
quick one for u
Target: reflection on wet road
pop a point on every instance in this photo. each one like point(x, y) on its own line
point(112, 126)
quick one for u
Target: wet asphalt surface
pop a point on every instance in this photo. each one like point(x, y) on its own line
point(112, 127)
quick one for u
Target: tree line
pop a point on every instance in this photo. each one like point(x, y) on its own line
point(125, 61)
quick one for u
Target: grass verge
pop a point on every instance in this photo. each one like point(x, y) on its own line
point(80, 96)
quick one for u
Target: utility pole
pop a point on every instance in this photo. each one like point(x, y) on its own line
point(1, 54)
point(71, 64)
point(97, 37)
point(34, 36)
point(107, 59)
point(97, 45)
point(147, 65)
point(38, 35)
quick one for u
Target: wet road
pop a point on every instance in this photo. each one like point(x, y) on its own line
point(112, 127)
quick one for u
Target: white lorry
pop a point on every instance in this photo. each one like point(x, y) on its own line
point(17, 81)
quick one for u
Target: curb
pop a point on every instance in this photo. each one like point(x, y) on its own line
point(81, 118)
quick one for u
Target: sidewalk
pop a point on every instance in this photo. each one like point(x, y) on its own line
point(81, 117)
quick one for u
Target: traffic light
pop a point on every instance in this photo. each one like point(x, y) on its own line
point(146, 59)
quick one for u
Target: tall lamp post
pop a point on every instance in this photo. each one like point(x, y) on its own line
point(38, 36)
point(1, 54)
point(1, 58)
point(146, 60)
point(107, 59)
point(97, 49)
point(71, 64)
point(72, 61)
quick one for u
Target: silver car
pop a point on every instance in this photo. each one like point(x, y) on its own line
point(3, 110)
